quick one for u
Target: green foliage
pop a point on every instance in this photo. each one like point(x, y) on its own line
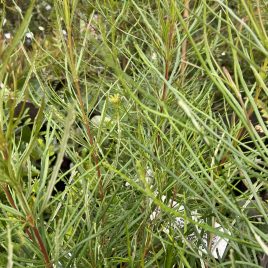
point(180, 89)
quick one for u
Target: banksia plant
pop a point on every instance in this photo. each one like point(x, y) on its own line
point(133, 133)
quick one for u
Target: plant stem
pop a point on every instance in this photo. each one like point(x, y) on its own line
point(29, 219)
point(84, 115)
point(183, 65)
point(42, 247)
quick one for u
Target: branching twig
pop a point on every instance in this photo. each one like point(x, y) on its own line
point(34, 228)
point(183, 65)
point(30, 221)
point(167, 66)
point(85, 118)
point(167, 59)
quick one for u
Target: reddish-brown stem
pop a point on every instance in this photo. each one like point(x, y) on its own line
point(166, 75)
point(164, 92)
point(183, 65)
point(28, 220)
point(42, 247)
point(9, 197)
point(94, 155)
point(85, 118)
point(27, 231)
point(167, 61)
